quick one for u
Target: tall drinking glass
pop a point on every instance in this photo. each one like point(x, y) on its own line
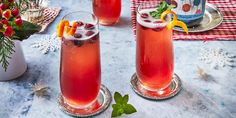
point(154, 54)
point(107, 11)
point(80, 72)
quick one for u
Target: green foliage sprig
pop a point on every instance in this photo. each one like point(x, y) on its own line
point(6, 49)
point(122, 106)
point(12, 27)
point(163, 6)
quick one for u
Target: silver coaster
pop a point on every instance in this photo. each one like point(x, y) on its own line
point(173, 89)
point(103, 101)
point(212, 18)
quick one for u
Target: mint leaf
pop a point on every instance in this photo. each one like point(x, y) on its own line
point(129, 109)
point(116, 113)
point(163, 6)
point(117, 110)
point(170, 7)
point(125, 99)
point(116, 106)
point(122, 106)
point(154, 14)
point(118, 98)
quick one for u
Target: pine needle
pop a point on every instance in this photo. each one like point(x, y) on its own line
point(6, 49)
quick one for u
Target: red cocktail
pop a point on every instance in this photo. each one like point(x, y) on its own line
point(80, 70)
point(107, 11)
point(80, 73)
point(154, 51)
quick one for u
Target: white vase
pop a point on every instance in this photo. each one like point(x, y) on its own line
point(17, 64)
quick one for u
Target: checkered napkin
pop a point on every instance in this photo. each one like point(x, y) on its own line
point(226, 31)
point(49, 15)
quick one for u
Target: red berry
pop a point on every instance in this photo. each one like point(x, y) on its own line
point(174, 3)
point(80, 23)
point(89, 26)
point(18, 16)
point(4, 21)
point(89, 33)
point(77, 35)
point(8, 32)
point(144, 15)
point(15, 12)
point(7, 14)
point(3, 6)
point(148, 21)
point(18, 21)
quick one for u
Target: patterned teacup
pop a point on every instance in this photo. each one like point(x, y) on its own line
point(189, 11)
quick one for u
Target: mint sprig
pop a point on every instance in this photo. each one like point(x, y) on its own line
point(122, 106)
point(163, 6)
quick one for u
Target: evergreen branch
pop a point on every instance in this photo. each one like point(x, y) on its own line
point(6, 49)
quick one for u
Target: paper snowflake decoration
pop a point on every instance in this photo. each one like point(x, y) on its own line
point(47, 43)
point(217, 58)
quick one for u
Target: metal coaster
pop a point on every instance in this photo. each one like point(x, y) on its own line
point(102, 103)
point(168, 92)
point(212, 18)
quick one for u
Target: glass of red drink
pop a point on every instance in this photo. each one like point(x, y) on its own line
point(154, 56)
point(80, 68)
point(107, 11)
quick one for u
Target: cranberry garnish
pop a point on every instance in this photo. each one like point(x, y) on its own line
point(144, 15)
point(148, 21)
point(77, 35)
point(89, 26)
point(80, 23)
point(89, 33)
point(174, 3)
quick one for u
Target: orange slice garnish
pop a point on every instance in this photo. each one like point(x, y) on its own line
point(165, 13)
point(174, 22)
point(73, 29)
point(177, 23)
point(61, 27)
point(67, 29)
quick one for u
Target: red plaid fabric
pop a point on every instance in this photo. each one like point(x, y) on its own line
point(226, 31)
point(49, 15)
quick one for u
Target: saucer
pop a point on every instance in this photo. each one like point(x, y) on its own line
point(102, 103)
point(211, 19)
point(169, 92)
